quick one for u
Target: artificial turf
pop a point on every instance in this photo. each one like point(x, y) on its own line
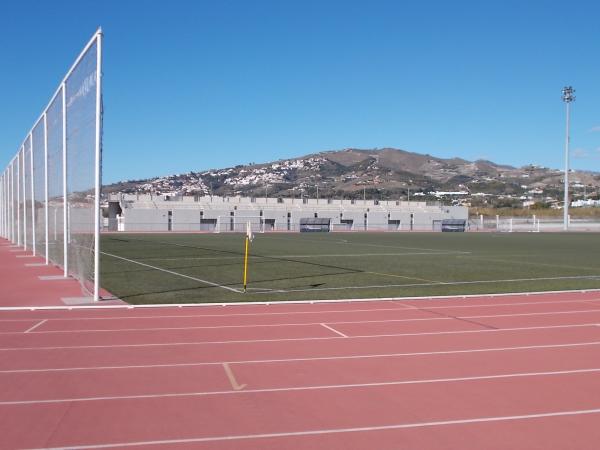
point(313, 266)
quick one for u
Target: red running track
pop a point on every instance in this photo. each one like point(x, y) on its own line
point(20, 282)
point(518, 372)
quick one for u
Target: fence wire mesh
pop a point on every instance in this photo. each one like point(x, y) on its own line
point(56, 176)
point(39, 188)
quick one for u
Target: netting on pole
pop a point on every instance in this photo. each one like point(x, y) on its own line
point(49, 194)
point(28, 211)
point(55, 181)
point(15, 201)
point(239, 224)
point(20, 185)
point(81, 165)
point(39, 188)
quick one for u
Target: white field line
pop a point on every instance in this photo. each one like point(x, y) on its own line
point(297, 302)
point(307, 388)
point(341, 322)
point(406, 277)
point(342, 430)
point(444, 283)
point(41, 322)
point(299, 339)
point(324, 255)
point(292, 313)
point(339, 333)
point(520, 261)
point(346, 242)
point(210, 283)
point(308, 359)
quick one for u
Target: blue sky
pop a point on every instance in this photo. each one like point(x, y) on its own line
point(192, 85)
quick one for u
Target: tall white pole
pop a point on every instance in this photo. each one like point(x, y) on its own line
point(47, 255)
point(64, 165)
point(19, 242)
point(12, 201)
point(567, 97)
point(23, 165)
point(33, 246)
point(566, 177)
point(2, 205)
point(98, 165)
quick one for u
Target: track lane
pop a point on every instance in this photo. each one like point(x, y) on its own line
point(292, 374)
point(275, 412)
point(548, 433)
point(67, 357)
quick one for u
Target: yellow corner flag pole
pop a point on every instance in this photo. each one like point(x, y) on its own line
point(246, 263)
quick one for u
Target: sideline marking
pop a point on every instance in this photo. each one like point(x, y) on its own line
point(591, 325)
point(403, 276)
point(520, 261)
point(346, 242)
point(174, 273)
point(35, 326)
point(305, 388)
point(343, 430)
point(234, 384)
point(447, 283)
point(339, 333)
point(315, 358)
point(323, 255)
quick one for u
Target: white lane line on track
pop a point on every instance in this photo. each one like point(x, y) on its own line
point(339, 333)
point(490, 303)
point(340, 430)
point(593, 326)
point(210, 283)
point(355, 322)
point(183, 316)
point(307, 388)
point(41, 322)
point(231, 377)
point(218, 327)
point(309, 359)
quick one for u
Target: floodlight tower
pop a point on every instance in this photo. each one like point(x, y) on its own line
point(568, 97)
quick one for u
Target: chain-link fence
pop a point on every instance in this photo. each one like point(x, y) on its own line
point(50, 191)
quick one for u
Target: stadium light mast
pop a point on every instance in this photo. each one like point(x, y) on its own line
point(568, 97)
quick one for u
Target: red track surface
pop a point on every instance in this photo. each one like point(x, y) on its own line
point(518, 372)
point(21, 285)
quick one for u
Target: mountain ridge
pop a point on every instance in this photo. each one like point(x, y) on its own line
point(373, 173)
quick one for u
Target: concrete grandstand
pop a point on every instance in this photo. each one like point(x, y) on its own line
point(152, 213)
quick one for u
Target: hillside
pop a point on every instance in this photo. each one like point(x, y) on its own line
point(378, 173)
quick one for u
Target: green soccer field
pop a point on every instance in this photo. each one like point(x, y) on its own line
point(191, 268)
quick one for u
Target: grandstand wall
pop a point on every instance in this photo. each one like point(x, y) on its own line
point(146, 213)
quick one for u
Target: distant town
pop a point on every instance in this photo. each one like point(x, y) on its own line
point(383, 174)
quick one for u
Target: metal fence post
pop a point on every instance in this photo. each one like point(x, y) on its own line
point(64, 155)
point(33, 244)
point(24, 190)
point(47, 255)
point(98, 162)
point(19, 241)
